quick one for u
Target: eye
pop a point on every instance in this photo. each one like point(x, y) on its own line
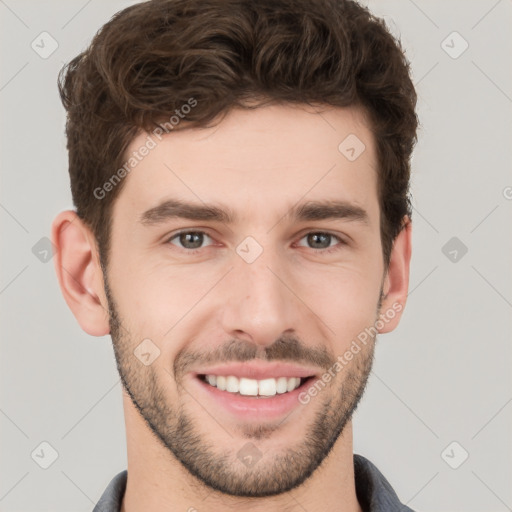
point(189, 240)
point(322, 241)
point(192, 241)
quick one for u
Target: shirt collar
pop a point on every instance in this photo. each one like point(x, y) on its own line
point(373, 491)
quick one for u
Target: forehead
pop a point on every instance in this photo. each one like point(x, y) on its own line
point(265, 158)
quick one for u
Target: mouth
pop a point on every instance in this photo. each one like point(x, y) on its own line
point(245, 399)
point(254, 388)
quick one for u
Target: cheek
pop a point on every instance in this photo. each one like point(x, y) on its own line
point(345, 298)
point(153, 299)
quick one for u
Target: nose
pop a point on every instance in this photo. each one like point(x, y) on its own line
point(260, 305)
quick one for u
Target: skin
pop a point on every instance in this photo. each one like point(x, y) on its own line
point(295, 302)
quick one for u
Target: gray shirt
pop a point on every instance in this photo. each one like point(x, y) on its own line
point(374, 492)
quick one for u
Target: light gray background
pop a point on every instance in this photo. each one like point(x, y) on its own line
point(442, 376)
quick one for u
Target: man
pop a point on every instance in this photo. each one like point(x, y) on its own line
point(240, 172)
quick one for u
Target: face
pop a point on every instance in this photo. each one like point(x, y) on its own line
point(260, 285)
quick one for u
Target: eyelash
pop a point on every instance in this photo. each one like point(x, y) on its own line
point(328, 250)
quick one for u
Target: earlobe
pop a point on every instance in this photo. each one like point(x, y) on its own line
point(79, 273)
point(396, 283)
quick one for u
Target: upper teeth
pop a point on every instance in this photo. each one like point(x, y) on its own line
point(253, 387)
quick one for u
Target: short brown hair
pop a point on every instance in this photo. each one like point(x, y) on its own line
point(152, 57)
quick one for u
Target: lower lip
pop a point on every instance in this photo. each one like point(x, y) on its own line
point(252, 407)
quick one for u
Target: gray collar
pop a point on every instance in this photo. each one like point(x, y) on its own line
point(374, 492)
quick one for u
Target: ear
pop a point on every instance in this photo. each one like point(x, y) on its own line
point(396, 281)
point(79, 272)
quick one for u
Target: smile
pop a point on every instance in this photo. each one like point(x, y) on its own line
point(252, 387)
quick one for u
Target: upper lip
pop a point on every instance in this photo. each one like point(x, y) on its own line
point(259, 371)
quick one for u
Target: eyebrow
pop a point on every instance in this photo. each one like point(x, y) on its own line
point(309, 211)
